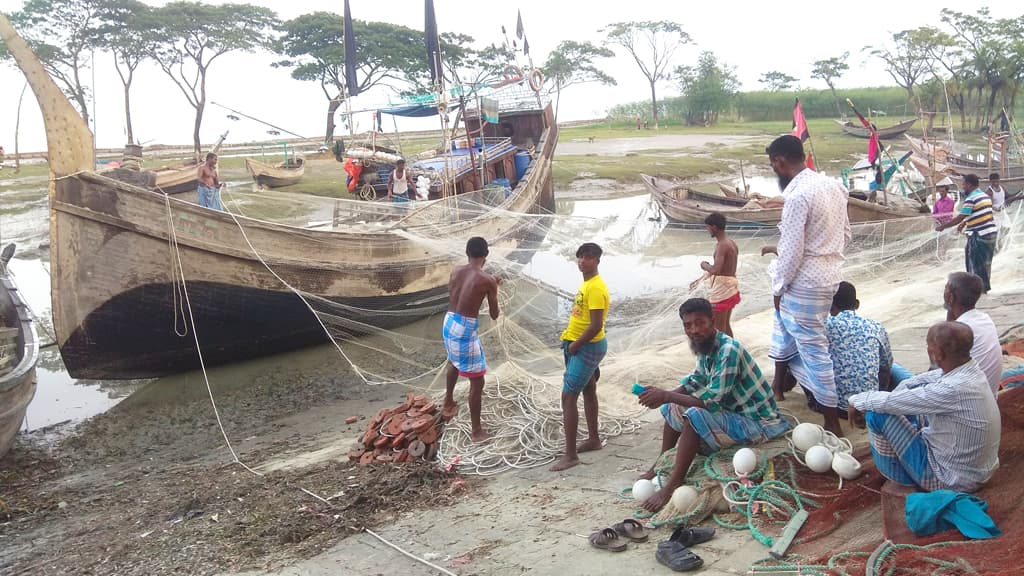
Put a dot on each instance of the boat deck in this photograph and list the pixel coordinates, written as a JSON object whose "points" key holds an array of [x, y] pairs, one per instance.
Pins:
{"points": [[461, 160]]}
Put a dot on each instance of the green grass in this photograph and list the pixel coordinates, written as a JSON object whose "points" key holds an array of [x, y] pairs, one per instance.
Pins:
{"points": [[568, 168], [28, 171]]}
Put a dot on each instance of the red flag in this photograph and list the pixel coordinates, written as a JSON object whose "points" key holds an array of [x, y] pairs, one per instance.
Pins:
{"points": [[800, 123], [810, 162], [874, 147]]}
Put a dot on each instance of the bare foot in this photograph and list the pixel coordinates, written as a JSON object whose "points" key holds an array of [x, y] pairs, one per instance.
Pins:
{"points": [[649, 475], [779, 397], [589, 445], [449, 411], [564, 463], [480, 436], [657, 500]]}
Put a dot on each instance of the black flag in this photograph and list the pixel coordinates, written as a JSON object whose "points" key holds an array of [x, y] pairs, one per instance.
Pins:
{"points": [[433, 45], [519, 25], [351, 82]]}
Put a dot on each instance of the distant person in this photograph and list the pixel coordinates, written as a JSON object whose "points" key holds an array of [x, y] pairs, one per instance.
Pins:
{"points": [[977, 217], [583, 347], [813, 234], [3, 155], [859, 347], [1001, 200], [468, 286], [725, 287], [637, 122], [942, 210], [725, 402], [940, 433], [400, 185], [209, 183]]}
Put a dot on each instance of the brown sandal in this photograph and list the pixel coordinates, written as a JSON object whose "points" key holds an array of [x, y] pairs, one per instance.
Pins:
{"points": [[630, 528], [607, 539]]}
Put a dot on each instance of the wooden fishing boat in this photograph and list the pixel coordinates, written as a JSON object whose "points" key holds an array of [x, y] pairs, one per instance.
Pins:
{"points": [[122, 305], [936, 162], [276, 176], [656, 183], [888, 133], [19, 352]]}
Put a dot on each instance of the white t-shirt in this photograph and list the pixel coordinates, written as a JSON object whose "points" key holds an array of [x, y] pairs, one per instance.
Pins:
{"points": [[400, 186], [986, 350], [998, 205]]}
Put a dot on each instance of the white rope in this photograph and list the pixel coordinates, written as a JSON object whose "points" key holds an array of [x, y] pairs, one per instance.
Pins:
{"points": [[408, 554]]}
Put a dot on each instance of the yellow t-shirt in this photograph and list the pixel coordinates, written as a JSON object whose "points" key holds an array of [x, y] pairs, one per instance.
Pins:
{"points": [[592, 295]]}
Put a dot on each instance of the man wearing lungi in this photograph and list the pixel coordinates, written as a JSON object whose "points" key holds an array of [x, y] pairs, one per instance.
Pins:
{"points": [[726, 401], [725, 287], [977, 216], [936, 433], [813, 234], [467, 288], [583, 348]]}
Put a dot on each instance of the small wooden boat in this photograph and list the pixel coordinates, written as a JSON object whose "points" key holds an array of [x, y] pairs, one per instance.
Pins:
{"points": [[19, 352], [276, 176], [656, 183], [888, 133]]}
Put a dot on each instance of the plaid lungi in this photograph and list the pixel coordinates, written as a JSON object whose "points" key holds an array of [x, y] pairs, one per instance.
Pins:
{"points": [[462, 343], [900, 452], [721, 429]]}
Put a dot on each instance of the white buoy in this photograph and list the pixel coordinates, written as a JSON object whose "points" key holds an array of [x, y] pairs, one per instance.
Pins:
{"points": [[806, 435], [744, 461], [846, 466], [657, 482], [684, 498], [643, 489], [819, 458]]}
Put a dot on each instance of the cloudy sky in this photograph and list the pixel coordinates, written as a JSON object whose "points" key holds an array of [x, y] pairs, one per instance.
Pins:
{"points": [[754, 37]]}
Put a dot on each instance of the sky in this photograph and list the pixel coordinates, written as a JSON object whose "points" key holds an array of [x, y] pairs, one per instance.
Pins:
{"points": [[754, 37]]}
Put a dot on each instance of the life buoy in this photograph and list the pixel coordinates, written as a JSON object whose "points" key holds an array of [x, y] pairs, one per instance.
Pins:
{"points": [[536, 79]]}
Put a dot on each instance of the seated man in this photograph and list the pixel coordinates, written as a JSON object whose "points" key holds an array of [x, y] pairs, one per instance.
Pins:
{"points": [[726, 401], [961, 294], [861, 356], [941, 433]]}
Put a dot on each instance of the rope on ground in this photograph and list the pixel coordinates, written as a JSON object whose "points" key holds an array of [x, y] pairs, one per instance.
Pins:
{"points": [[410, 555]]}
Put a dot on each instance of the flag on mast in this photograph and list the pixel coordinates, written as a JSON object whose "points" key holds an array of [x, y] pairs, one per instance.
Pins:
{"points": [[351, 81], [521, 33], [432, 42], [800, 129]]}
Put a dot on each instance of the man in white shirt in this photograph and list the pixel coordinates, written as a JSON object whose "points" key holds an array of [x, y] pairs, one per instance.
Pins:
{"points": [[940, 433], [1000, 202], [813, 235]]}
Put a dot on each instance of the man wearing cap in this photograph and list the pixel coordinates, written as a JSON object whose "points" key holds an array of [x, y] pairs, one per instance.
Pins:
{"points": [[859, 347]]}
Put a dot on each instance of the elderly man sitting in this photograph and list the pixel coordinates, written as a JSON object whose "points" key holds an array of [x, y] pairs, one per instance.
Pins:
{"points": [[724, 402], [936, 433]]}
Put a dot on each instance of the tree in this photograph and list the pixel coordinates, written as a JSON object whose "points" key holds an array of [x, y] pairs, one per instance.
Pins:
{"points": [[126, 29], [572, 63], [945, 58], [652, 45], [388, 54], [907, 61], [62, 33], [708, 89], [830, 70], [777, 81], [192, 35]]}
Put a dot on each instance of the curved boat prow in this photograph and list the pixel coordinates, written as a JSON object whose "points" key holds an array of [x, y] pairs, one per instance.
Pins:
{"points": [[68, 139]]}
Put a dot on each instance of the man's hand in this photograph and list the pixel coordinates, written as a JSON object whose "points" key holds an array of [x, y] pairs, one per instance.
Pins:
{"points": [[574, 347], [498, 280], [939, 227], [855, 417], [653, 398], [705, 266], [778, 299]]}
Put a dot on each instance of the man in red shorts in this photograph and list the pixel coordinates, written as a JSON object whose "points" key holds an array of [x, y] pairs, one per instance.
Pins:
{"points": [[725, 288]]}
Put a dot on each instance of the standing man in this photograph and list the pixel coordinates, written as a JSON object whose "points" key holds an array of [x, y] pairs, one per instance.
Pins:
{"points": [[725, 287], [400, 185], [583, 348], [467, 288], [942, 210], [813, 234], [209, 183], [977, 216], [1000, 202]]}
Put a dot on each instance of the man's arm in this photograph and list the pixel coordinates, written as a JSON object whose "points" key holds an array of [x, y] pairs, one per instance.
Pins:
{"points": [[716, 268], [391, 184], [791, 243], [492, 297], [596, 323], [655, 397], [923, 400], [949, 224]]}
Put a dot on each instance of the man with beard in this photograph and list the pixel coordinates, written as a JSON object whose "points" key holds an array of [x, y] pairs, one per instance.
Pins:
{"points": [[725, 401], [813, 234], [725, 287], [938, 433]]}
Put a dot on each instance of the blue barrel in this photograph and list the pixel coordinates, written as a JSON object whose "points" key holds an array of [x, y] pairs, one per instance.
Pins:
{"points": [[522, 163]]}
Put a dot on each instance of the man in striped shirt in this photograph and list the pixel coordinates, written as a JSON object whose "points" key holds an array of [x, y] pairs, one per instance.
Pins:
{"points": [[977, 216], [936, 433]]}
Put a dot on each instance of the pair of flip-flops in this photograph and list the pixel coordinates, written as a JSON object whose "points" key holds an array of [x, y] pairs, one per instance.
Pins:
{"points": [[614, 539], [675, 552]]}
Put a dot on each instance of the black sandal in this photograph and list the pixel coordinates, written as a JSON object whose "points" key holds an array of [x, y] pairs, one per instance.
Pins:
{"points": [[691, 536], [677, 557]]}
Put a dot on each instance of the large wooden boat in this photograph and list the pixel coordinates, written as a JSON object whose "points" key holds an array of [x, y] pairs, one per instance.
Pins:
{"points": [[19, 352], [937, 162], [887, 133], [121, 302], [276, 175]]}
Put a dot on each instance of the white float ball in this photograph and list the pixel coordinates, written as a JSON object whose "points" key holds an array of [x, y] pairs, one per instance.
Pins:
{"points": [[684, 498], [846, 466], [806, 435], [819, 458], [744, 461], [643, 489], [657, 482]]}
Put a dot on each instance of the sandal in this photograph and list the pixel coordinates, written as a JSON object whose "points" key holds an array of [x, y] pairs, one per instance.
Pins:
{"points": [[678, 557], [630, 528], [607, 539], [691, 536]]}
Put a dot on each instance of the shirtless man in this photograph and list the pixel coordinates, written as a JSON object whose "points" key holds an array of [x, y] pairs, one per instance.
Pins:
{"points": [[725, 288], [209, 183], [467, 288]]}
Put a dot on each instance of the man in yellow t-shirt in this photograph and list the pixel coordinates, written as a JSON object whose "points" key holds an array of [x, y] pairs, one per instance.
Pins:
{"points": [[583, 347]]}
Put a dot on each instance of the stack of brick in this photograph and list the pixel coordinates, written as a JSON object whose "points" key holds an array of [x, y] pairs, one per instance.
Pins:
{"points": [[406, 432]]}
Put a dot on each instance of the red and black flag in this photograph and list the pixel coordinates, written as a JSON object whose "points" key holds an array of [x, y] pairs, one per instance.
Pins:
{"points": [[351, 81], [800, 129], [874, 145]]}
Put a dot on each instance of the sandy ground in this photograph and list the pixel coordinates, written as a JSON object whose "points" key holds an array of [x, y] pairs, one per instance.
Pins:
{"points": [[621, 146]]}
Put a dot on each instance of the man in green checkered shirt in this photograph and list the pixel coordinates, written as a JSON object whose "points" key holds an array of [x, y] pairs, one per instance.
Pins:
{"points": [[725, 401]]}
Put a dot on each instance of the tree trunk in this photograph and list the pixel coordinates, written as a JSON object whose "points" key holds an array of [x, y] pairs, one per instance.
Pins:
{"points": [[654, 106], [128, 112], [991, 105], [558, 99], [200, 108], [835, 100], [332, 108]]}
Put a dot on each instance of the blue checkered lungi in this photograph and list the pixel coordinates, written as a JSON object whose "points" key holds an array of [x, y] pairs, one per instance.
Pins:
{"points": [[900, 452], [462, 343], [722, 428]]}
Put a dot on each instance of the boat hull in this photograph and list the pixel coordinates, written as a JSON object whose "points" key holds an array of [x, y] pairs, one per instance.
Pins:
{"points": [[887, 133], [274, 176], [18, 373]]}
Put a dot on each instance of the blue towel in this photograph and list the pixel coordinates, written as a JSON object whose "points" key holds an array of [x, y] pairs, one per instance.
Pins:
{"points": [[933, 512]]}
